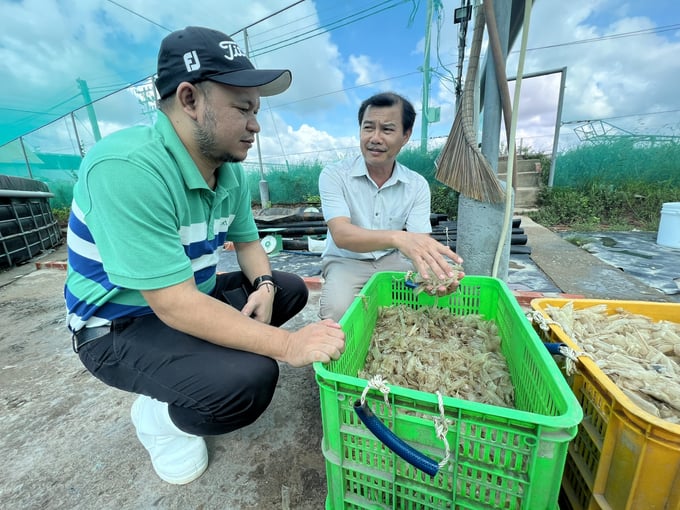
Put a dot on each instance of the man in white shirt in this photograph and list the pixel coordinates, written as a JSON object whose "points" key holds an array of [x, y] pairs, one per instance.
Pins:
{"points": [[378, 211]]}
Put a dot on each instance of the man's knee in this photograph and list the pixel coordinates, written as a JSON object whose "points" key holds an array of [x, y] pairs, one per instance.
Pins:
{"points": [[232, 402], [332, 304], [256, 388]]}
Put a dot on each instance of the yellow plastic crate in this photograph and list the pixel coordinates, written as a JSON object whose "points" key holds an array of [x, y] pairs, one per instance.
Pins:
{"points": [[501, 458], [622, 456]]}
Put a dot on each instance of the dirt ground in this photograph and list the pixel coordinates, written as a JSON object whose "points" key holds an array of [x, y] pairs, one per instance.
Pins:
{"points": [[67, 441]]}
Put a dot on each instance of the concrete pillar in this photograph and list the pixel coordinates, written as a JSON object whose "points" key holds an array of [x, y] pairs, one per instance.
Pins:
{"points": [[480, 224], [479, 229]]}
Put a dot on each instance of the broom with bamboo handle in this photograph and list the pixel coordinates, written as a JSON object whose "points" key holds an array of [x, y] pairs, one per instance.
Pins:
{"points": [[461, 165], [501, 77]]}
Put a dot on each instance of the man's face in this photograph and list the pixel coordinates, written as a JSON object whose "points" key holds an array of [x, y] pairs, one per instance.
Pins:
{"points": [[226, 126], [382, 135]]}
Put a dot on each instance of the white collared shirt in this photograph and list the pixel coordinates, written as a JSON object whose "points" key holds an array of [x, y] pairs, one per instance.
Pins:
{"points": [[402, 203]]}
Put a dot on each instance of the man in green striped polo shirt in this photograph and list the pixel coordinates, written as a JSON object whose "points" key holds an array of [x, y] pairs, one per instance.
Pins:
{"points": [[151, 210]]}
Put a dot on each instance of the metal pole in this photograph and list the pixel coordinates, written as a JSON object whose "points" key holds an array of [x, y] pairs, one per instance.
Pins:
{"points": [[28, 164], [426, 80], [265, 202], [81, 149], [558, 126], [558, 118], [90, 109]]}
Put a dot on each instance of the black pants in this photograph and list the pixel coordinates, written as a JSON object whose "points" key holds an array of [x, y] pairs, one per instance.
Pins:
{"points": [[210, 389]]}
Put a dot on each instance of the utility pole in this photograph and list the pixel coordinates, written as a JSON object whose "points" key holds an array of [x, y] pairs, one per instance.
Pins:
{"points": [[426, 79], [461, 16], [90, 109]]}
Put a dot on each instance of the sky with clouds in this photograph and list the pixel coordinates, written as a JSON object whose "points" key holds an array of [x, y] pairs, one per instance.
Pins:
{"points": [[620, 58]]}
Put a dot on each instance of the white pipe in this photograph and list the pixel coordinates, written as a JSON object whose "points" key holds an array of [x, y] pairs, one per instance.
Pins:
{"points": [[511, 141], [13, 193]]}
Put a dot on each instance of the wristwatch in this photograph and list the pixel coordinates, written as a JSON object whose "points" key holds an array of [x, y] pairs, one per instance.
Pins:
{"points": [[262, 279], [265, 279]]}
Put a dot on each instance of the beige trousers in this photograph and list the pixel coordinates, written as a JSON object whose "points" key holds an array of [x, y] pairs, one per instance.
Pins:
{"points": [[344, 278]]}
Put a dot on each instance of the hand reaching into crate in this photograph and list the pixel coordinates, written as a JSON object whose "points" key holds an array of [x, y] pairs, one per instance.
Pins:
{"points": [[435, 285]]}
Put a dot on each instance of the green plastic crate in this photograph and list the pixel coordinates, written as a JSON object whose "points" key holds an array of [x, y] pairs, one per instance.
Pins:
{"points": [[500, 458]]}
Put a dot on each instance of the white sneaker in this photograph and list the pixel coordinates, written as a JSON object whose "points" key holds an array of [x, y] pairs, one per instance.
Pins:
{"points": [[177, 457]]}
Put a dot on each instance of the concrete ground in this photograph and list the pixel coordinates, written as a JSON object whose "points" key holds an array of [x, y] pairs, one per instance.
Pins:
{"points": [[67, 442]]}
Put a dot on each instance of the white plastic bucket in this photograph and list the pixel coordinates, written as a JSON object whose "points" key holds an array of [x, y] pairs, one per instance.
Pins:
{"points": [[669, 226]]}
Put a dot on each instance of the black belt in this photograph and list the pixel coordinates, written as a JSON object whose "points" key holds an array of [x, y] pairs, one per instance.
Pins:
{"points": [[87, 335]]}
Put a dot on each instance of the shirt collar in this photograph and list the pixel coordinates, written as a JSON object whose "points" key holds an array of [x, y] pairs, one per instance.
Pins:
{"points": [[398, 174]]}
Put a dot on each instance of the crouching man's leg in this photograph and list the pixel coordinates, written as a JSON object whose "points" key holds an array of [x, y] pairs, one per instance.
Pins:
{"points": [[188, 388]]}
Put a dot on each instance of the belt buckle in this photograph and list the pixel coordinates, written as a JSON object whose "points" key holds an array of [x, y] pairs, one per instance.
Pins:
{"points": [[77, 345], [74, 342]]}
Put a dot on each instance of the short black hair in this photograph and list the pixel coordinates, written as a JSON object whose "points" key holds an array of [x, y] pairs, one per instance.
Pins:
{"points": [[408, 113]]}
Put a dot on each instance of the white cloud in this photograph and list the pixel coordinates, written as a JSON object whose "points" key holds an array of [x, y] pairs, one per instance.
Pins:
{"points": [[367, 71], [306, 143], [623, 78], [48, 44]]}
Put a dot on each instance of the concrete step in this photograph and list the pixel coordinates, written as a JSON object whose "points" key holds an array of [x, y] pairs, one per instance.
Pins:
{"points": [[527, 172], [523, 165], [528, 181], [524, 179], [526, 198]]}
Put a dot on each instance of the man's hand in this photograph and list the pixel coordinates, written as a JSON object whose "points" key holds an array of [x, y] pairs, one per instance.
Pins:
{"points": [[260, 304], [429, 258], [443, 287], [320, 341]]}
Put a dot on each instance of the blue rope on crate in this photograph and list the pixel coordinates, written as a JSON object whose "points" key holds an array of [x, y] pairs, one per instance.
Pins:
{"points": [[394, 443]]}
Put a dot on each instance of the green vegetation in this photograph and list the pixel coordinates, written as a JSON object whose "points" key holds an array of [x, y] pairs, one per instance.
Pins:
{"points": [[61, 215], [444, 200], [607, 186], [298, 183], [617, 185], [619, 161], [595, 206], [63, 194], [288, 184]]}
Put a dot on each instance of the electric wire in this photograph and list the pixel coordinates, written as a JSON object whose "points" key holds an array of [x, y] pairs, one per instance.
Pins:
{"points": [[323, 29], [304, 30], [135, 13], [439, 24], [635, 33], [394, 2], [358, 16]]}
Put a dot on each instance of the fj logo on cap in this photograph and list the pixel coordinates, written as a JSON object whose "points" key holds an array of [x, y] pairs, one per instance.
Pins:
{"points": [[191, 61], [232, 50]]}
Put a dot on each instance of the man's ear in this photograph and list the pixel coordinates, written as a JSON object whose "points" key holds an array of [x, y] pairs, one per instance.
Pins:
{"points": [[407, 136], [187, 97]]}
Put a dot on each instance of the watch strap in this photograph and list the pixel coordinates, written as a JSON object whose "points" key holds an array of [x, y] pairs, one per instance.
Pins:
{"points": [[262, 279]]}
